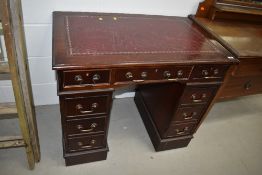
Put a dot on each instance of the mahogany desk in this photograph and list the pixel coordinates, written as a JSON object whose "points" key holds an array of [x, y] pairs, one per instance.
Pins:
{"points": [[176, 67]]}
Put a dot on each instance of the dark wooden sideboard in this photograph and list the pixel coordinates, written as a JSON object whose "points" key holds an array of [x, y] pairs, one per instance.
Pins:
{"points": [[176, 67], [237, 25]]}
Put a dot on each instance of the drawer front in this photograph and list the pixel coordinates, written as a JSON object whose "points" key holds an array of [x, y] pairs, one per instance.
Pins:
{"points": [[86, 105], [198, 95], [85, 126], [85, 143], [209, 72], [248, 68], [183, 129], [85, 78], [241, 86], [185, 114], [142, 74]]}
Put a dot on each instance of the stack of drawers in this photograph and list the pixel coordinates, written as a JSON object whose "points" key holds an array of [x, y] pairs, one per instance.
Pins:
{"points": [[193, 104], [85, 119]]}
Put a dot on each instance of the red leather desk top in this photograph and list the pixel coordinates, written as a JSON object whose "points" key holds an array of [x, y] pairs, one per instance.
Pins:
{"points": [[82, 40]]}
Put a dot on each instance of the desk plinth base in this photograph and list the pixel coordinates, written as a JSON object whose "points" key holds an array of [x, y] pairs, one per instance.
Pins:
{"points": [[159, 143], [85, 156]]}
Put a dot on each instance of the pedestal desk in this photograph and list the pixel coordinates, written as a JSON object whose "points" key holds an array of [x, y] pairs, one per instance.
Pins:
{"points": [[176, 67]]}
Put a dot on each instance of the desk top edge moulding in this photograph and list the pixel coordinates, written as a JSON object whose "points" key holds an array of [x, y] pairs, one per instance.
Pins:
{"points": [[176, 68]]}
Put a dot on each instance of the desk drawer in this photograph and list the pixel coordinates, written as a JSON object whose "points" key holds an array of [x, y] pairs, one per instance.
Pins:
{"points": [[198, 94], [177, 130], [249, 68], [241, 86], [185, 114], [209, 72], [159, 73], [85, 143], [86, 104], [85, 126], [85, 78]]}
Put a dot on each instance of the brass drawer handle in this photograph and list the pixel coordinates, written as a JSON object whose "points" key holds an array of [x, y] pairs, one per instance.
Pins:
{"points": [[180, 132], [144, 74], [96, 77], [205, 72], [92, 127], [189, 116], [200, 99], [167, 74], [81, 145], [129, 75], [180, 73], [80, 107], [216, 71], [79, 78], [248, 85]]}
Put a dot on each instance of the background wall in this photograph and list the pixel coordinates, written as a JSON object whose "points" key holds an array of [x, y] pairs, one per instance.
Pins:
{"points": [[38, 29]]}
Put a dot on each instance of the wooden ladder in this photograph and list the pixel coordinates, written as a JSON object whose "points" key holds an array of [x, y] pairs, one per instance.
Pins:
{"points": [[17, 70]]}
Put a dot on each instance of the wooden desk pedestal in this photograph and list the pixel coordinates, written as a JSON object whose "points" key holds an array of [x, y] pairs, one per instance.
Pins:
{"points": [[171, 117], [176, 68]]}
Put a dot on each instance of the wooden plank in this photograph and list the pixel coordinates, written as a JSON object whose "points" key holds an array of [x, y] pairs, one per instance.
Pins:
{"points": [[17, 57], [1, 28], [1, 48], [8, 110], [4, 71], [8, 138], [17, 15], [11, 142]]}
